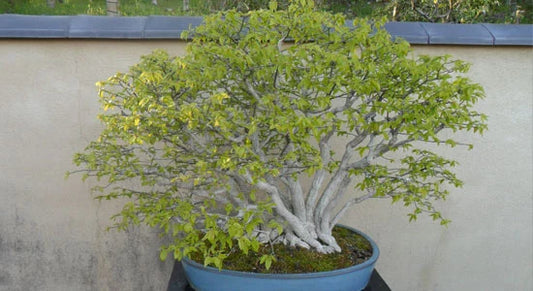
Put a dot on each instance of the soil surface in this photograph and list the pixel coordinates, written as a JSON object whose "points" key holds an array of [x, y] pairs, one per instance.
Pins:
{"points": [[355, 250]]}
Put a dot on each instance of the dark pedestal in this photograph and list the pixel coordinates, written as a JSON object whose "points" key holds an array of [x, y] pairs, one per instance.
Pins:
{"points": [[376, 283], [179, 283]]}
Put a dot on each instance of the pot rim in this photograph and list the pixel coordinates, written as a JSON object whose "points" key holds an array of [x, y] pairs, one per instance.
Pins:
{"points": [[371, 261]]}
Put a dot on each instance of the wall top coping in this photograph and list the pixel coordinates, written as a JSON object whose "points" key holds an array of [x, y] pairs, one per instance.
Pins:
{"points": [[13, 26]]}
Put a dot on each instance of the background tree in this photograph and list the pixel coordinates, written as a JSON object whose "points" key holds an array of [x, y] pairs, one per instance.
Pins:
{"points": [[456, 11], [112, 7], [49, 3], [217, 146]]}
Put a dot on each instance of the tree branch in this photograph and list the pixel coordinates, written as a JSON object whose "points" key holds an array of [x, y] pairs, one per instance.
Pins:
{"points": [[349, 204], [336, 181]]}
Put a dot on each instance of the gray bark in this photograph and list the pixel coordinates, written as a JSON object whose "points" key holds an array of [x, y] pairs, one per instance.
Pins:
{"points": [[112, 7]]}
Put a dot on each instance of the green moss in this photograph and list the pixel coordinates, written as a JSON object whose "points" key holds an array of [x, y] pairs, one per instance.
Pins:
{"points": [[355, 250]]}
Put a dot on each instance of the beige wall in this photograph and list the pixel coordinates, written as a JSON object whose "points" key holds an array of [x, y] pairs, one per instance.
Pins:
{"points": [[488, 245], [52, 234]]}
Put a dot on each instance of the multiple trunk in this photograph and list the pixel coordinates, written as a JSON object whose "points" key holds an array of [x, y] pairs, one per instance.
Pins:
{"points": [[309, 216]]}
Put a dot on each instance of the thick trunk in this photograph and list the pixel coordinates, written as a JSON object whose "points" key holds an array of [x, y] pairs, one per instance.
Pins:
{"points": [[185, 5], [112, 7], [297, 231], [51, 3], [297, 198]]}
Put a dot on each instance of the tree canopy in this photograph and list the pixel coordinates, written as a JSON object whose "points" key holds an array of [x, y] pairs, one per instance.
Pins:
{"points": [[214, 147]]}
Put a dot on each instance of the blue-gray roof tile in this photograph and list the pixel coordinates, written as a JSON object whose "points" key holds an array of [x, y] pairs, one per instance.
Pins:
{"points": [[509, 34], [85, 26], [413, 32], [460, 34], [167, 27], [33, 26]]}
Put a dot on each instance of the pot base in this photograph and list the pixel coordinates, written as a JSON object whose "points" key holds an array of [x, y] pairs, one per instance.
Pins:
{"points": [[353, 278]]}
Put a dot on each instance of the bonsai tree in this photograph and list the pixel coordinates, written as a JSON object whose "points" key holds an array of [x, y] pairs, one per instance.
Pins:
{"points": [[271, 126]]}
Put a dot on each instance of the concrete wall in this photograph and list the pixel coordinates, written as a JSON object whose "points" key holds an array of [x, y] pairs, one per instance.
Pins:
{"points": [[52, 233]]}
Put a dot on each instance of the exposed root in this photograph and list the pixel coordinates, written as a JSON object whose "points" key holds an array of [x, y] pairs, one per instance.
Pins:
{"points": [[293, 240], [330, 241]]}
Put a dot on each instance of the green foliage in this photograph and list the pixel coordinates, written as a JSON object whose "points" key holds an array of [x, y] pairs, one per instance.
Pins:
{"points": [[354, 9], [464, 11], [39, 7], [458, 11], [193, 140], [130, 7]]}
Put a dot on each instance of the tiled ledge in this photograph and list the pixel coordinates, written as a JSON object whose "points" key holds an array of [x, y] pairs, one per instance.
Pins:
{"points": [[165, 27]]}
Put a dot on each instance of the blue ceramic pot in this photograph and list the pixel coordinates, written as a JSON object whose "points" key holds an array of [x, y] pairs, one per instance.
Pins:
{"points": [[353, 278]]}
